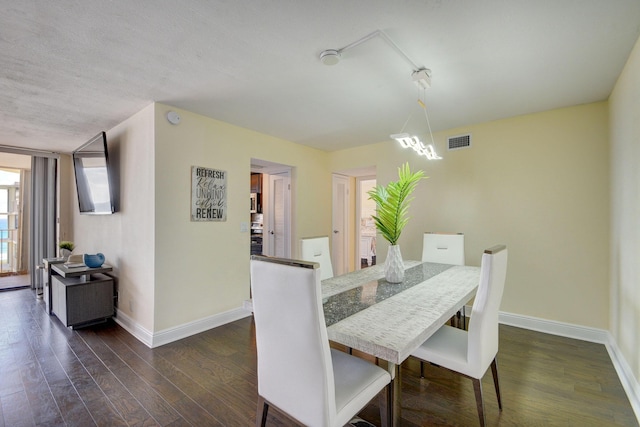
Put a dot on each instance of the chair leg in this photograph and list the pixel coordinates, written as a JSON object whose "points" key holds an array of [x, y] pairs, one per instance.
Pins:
{"points": [[477, 388], [386, 406], [262, 410], [421, 369], [494, 371], [464, 318]]}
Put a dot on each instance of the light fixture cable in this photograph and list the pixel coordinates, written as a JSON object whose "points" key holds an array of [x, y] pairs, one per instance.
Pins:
{"points": [[426, 115], [421, 76]]}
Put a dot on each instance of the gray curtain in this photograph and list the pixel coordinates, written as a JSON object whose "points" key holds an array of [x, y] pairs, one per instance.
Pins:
{"points": [[43, 216], [22, 263]]}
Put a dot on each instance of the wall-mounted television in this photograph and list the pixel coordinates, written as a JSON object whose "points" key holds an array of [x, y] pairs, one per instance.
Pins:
{"points": [[94, 177]]}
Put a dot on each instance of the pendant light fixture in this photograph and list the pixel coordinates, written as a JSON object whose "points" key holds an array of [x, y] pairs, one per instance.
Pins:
{"points": [[413, 141], [421, 76]]}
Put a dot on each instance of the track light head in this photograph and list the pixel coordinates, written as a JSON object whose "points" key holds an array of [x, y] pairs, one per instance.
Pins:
{"points": [[422, 78]]}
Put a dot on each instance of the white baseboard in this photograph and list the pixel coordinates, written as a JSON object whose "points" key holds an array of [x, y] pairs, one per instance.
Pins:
{"points": [[183, 331], [629, 382], [130, 325], [552, 327], [625, 374]]}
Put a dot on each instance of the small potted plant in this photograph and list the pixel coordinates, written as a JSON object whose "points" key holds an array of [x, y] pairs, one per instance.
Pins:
{"points": [[392, 205], [66, 248]]}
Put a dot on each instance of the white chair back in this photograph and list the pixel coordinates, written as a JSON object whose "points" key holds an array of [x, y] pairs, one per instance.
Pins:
{"points": [[443, 248], [294, 360], [316, 249], [482, 345]]}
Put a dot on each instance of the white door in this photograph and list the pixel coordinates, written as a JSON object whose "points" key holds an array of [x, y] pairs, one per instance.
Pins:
{"points": [[365, 227], [340, 223], [278, 239]]}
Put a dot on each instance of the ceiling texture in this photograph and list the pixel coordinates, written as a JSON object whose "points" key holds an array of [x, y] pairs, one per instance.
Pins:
{"points": [[70, 69]]}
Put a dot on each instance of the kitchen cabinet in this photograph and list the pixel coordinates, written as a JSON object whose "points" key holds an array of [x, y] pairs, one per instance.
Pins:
{"points": [[256, 183]]}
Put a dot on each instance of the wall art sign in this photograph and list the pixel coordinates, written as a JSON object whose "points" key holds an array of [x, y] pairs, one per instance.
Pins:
{"points": [[208, 194]]}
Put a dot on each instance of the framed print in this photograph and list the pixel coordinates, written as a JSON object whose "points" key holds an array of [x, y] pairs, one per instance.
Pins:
{"points": [[208, 194]]}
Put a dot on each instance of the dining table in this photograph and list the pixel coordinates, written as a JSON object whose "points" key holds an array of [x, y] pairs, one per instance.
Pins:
{"points": [[391, 320]]}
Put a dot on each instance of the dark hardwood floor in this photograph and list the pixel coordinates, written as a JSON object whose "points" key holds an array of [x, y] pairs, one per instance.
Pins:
{"points": [[101, 375]]}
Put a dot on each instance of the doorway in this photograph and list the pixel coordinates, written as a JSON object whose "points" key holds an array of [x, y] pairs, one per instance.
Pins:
{"points": [[275, 207], [352, 203], [14, 220], [366, 229], [340, 224]]}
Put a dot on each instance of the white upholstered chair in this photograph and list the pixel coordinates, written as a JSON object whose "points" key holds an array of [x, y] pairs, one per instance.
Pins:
{"points": [[445, 248], [470, 353], [298, 372], [316, 249]]}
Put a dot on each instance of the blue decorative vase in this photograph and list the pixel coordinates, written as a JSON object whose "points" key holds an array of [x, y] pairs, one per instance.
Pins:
{"points": [[93, 261]]}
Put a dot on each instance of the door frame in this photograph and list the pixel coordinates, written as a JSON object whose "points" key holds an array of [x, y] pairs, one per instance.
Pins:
{"points": [[340, 210], [358, 214], [267, 168], [270, 215]]}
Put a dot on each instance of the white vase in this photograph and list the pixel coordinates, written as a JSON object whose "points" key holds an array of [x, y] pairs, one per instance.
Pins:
{"points": [[64, 253], [393, 266]]}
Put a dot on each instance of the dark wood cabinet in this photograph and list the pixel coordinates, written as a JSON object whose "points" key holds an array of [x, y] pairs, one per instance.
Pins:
{"points": [[81, 296], [79, 302], [256, 183]]}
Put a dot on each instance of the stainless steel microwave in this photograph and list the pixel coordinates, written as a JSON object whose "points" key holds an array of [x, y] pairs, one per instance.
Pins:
{"points": [[254, 202]]}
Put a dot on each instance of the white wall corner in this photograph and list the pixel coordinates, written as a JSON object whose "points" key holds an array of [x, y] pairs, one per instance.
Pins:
{"points": [[152, 340], [142, 334], [630, 384], [185, 330]]}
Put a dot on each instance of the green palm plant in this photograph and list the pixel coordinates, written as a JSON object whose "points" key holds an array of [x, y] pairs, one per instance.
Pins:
{"points": [[392, 203]]}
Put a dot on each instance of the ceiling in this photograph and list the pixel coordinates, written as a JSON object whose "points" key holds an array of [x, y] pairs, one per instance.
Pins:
{"points": [[73, 68]]}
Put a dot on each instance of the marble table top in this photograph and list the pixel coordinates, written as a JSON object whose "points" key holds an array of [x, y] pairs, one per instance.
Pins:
{"points": [[389, 321]]}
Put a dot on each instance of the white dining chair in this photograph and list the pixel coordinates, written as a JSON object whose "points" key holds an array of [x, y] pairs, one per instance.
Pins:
{"points": [[316, 249], [471, 352], [298, 372], [445, 248]]}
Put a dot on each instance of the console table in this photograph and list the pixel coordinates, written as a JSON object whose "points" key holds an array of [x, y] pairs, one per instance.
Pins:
{"points": [[46, 279], [81, 296]]}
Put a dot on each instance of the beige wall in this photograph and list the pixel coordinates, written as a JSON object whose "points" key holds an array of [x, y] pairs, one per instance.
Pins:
{"points": [[127, 237], [625, 208], [172, 271], [538, 183], [16, 161], [202, 268]]}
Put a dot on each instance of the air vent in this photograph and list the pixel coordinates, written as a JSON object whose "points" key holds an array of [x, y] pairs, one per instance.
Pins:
{"points": [[459, 142]]}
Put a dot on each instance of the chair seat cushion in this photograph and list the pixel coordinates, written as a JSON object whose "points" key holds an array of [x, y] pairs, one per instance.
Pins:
{"points": [[352, 375], [446, 348]]}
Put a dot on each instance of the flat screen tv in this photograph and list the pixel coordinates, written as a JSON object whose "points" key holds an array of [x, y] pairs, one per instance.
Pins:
{"points": [[94, 177]]}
